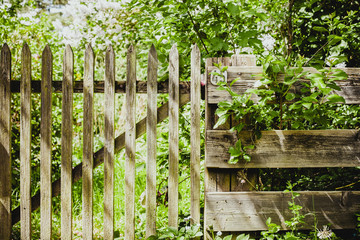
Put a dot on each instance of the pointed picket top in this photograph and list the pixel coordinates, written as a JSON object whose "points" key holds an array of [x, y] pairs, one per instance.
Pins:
{"points": [[89, 52], [5, 48], [26, 49], [47, 51], [131, 48], [195, 49], [109, 49], [5, 55], [152, 54], [68, 53]]}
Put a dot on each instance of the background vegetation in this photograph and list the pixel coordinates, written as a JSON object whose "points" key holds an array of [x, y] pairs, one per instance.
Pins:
{"points": [[288, 32]]}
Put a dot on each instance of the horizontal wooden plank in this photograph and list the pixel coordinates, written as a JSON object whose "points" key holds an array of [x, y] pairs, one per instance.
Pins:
{"points": [[248, 75], [287, 149], [120, 86], [248, 211]]}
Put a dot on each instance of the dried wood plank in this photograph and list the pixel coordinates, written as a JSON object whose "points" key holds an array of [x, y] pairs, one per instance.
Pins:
{"points": [[66, 144], [25, 143], [5, 143], [130, 150], [45, 144], [109, 146], [173, 136], [120, 86], [350, 88], [162, 114], [287, 149], [195, 134], [88, 145], [151, 143], [248, 211]]}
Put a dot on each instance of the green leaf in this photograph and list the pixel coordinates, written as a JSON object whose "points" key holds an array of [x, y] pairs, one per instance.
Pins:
{"points": [[307, 105], [229, 237], [334, 98], [290, 96], [222, 119], [243, 237], [320, 29]]}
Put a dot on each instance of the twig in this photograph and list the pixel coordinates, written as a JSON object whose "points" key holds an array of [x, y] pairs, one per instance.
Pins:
{"points": [[196, 31]]}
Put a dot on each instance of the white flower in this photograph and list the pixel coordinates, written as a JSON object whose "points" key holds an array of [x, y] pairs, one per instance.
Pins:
{"points": [[325, 233], [219, 233], [187, 218], [340, 65], [268, 41]]}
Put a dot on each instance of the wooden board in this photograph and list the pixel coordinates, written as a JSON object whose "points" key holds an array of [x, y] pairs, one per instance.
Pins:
{"points": [[25, 143], [287, 149], [130, 146], [88, 144], [66, 144], [109, 143], [248, 211], [350, 88], [151, 126], [5, 143]]}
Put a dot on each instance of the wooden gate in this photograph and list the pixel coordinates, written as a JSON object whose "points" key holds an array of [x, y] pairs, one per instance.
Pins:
{"points": [[230, 205]]}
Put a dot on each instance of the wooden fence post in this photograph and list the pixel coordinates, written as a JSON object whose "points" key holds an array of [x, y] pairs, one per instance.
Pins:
{"points": [[45, 144], [130, 137], [66, 144], [173, 137], [88, 138], [25, 143], [195, 134], [151, 125], [5, 143], [109, 143]]}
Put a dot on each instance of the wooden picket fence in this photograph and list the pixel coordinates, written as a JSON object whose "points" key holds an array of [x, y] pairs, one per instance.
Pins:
{"points": [[178, 96]]}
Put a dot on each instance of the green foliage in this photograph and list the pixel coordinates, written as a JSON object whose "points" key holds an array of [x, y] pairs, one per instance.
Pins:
{"points": [[187, 232]]}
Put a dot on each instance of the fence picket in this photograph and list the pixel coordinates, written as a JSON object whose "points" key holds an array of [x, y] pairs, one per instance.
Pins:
{"points": [[5, 143], [173, 136], [88, 161], [151, 143], [130, 136], [45, 144], [25, 143], [66, 144], [195, 134], [109, 144]]}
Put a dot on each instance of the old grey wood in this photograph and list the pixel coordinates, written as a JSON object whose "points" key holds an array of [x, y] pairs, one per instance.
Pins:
{"points": [[25, 143], [66, 143], [247, 76], [173, 136], [151, 125], [5, 143], [109, 144], [287, 149], [88, 144], [45, 144], [248, 211], [130, 150], [195, 134]]}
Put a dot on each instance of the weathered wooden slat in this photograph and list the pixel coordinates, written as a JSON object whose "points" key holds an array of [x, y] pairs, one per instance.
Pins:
{"points": [[248, 211], [25, 143], [45, 144], [350, 88], [162, 114], [109, 144], [120, 86], [151, 143], [5, 143], [88, 145], [66, 144], [130, 151], [287, 149], [195, 134], [173, 136]]}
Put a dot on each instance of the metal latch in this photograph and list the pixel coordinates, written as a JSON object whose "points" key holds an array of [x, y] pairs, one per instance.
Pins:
{"points": [[215, 79]]}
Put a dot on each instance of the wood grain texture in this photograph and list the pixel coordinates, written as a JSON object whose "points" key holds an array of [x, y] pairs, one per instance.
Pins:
{"points": [[173, 136], [151, 125], [248, 211], [350, 88], [109, 146], [195, 134], [88, 144], [162, 114], [66, 144], [5, 143], [25, 143], [287, 149], [130, 146], [120, 86], [45, 144]]}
